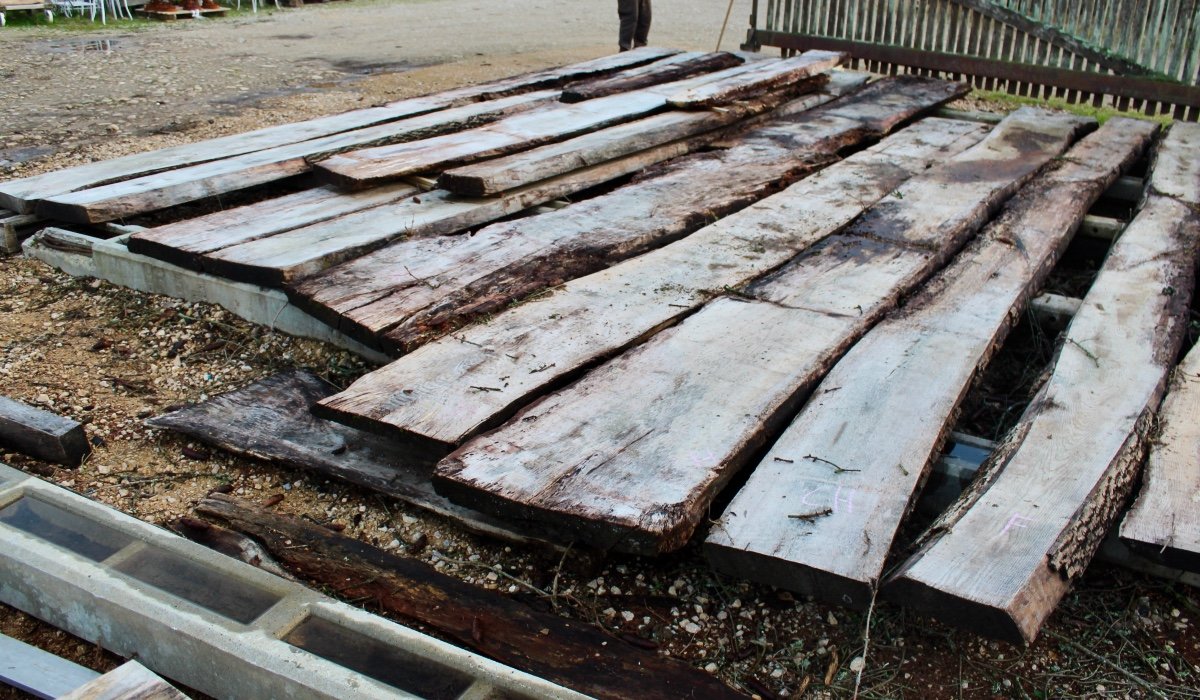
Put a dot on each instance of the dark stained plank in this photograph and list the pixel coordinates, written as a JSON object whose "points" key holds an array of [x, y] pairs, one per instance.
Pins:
{"points": [[631, 456], [752, 79], [270, 420], [41, 434], [1000, 560], [884, 409], [21, 195], [161, 190], [569, 653], [1164, 522], [668, 70], [370, 166], [452, 388], [414, 291], [183, 242]]}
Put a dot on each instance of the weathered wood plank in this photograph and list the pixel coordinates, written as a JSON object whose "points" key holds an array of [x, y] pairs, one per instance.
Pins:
{"points": [[497, 175], [452, 388], [373, 165], [1163, 523], [287, 257], [270, 420], [631, 456], [20, 195], [129, 681], [183, 242], [1000, 561], [41, 434], [670, 69], [570, 653], [414, 291], [884, 409], [161, 190], [493, 176], [753, 79], [37, 672], [275, 259]]}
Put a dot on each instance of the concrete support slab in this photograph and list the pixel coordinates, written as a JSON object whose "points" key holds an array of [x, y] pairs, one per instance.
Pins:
{"points": [[211, 622], [111, 260]]}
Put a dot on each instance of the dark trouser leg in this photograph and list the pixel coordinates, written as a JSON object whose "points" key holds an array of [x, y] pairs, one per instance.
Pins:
{"points": [[627, 12], [643, 24]]}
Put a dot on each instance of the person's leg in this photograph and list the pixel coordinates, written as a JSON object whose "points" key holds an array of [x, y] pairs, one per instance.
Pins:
{"points": [[643, 23], [627, 12]]}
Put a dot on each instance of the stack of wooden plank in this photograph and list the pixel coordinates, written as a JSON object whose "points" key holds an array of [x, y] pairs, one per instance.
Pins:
{"points": [[771, 274]]}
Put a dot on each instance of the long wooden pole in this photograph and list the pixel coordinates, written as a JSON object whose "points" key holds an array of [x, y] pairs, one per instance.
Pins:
{"points": [[724, 24]]}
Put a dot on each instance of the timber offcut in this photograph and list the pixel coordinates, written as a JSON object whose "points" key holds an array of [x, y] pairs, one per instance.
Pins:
{"points": [[665, 298]]}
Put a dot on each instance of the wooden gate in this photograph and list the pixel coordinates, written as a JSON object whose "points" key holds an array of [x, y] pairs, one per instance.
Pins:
{"points": [[1139, 55]]}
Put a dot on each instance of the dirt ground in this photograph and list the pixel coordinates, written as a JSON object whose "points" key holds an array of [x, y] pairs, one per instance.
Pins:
{"points": [[111, 357]]}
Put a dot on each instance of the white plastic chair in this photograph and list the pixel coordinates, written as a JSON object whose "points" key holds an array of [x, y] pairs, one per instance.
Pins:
{"points": [[254, 5]]}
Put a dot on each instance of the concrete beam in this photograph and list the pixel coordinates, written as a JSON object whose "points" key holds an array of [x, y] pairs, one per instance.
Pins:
{"points": [[209, 621]]}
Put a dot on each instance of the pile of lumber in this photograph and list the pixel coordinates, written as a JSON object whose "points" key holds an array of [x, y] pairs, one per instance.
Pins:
{"points": [[614, 290]]}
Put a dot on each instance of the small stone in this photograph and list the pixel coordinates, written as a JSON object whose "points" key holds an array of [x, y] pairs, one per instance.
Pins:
{"points": [[690, 627], [710, 667], [857, 664], [833, 621]]}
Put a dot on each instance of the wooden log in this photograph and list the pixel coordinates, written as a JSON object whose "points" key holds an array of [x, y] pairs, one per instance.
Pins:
{"points": [[288, 257], [508, 262], [21, 195], [41, 434], [883, 411], [451, 389], [752, 79], [270, 420], [572, 654], [161, 190], [631, 456], [670, 69], [183, 242], [1001, 559], [370, 166], [1163, 523], [129, 681]]}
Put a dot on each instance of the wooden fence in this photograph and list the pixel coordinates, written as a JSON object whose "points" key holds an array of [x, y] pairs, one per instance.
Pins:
{"points": [[1139, 55]]}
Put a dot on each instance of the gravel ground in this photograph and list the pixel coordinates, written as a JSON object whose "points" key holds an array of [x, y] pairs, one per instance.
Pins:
{"points": [[111, 357]]}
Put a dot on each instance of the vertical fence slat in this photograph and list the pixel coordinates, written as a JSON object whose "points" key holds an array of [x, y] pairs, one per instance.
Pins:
{"points": [[1161, 35]]}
